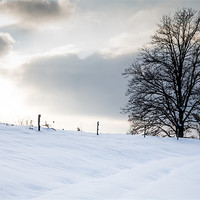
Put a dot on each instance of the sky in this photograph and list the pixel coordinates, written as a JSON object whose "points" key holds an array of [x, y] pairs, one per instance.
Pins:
{"points": [[64, 59]]}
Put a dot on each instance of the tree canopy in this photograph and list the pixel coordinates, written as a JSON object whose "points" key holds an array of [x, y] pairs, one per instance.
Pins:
{"points": [[164, 80]]}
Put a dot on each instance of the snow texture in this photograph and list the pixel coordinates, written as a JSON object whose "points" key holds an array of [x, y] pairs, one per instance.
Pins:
{"points": [[69, 165]]}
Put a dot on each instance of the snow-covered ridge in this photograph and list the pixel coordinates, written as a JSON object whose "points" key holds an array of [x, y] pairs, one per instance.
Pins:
{"points": [[68, 165]]}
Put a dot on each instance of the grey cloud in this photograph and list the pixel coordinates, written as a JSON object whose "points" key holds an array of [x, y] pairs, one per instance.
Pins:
{"points": [[6, 43], [69, 85], [34, 12]]}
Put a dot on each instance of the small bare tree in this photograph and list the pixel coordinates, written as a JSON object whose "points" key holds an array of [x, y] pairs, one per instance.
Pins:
{"points": [[164, 81], [197, 117]]}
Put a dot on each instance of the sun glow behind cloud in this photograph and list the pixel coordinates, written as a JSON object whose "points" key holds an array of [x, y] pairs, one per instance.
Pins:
{"points": [[10, 101]]}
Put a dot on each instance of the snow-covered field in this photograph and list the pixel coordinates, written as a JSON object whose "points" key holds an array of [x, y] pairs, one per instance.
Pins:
{"points": [[67, 165]]}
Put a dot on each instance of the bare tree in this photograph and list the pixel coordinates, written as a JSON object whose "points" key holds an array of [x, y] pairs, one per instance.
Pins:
{"points": [[164, 81]]}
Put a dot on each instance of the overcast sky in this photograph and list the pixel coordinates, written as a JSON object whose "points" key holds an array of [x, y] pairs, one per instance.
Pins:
{"points": [[63, 59]]}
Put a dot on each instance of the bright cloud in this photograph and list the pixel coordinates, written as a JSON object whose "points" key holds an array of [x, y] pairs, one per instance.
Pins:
{"points": [[6, 43], [125, 43], [62, 50]]}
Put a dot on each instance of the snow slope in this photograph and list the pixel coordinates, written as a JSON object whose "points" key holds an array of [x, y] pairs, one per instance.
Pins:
{"points": [[67, 165]]}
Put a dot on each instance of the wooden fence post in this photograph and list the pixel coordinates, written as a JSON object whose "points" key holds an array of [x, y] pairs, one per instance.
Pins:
{"points": [[39, 122], [98, 128]]}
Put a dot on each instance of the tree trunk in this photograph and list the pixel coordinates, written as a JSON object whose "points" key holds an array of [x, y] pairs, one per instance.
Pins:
{"points": [[181, 125], [180, 131]]}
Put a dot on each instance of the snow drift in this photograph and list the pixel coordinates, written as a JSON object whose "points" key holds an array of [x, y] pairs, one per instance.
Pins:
{"points": [[67, 165]]}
